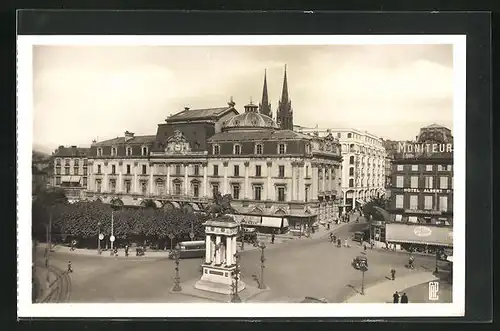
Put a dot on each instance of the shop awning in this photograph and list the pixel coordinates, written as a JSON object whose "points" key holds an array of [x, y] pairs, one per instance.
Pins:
{"points": [[360, 201], [66, 179], [75, 179], [271, 222], [419, 234]]}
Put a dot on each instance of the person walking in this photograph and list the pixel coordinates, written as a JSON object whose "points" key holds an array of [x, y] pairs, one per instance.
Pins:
{"points": [[393, 274], [332, 240], [126, 250], [70, 269], [272, 238], [395, 297], [404, 298]]}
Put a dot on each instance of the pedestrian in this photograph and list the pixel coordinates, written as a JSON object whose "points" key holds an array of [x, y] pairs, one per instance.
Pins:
{"points": [[334, 238], [328, 226], [272, 238], [339, 243], [371, 244], [364, 247], [331, 237], [404, 298], [73, 244], [393, 274], [345, 242], [70, 269], [126, 250], [395, 297]]}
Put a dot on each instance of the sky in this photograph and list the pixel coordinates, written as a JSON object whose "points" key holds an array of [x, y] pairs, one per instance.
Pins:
{"points": [[83, 93]]}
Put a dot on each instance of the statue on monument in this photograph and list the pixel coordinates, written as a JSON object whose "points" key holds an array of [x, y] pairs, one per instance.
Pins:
{"points": [[221, 205]]}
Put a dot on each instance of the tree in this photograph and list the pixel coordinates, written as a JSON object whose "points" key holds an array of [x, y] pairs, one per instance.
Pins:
{"points": [[374, 214], [43, 203]]}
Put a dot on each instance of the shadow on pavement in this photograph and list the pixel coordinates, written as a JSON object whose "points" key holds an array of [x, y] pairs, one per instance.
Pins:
{"points": [[353, 288]]}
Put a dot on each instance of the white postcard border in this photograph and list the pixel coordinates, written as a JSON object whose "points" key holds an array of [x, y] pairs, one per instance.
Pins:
{"points": [[25, 139]]}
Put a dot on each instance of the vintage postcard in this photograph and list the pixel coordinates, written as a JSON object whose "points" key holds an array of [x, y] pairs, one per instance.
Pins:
{"points": [[301, 176]]}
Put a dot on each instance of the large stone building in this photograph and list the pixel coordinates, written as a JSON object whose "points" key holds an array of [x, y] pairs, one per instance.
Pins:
{"points": [[422, 190], [363, 165], [71, 171], [268, 169]]}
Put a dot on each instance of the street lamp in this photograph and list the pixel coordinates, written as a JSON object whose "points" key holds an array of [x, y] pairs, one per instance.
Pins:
{"points": [[363, 268], [99, 237], [436, 270], [177, 253], [236, 275], [262, 247]]}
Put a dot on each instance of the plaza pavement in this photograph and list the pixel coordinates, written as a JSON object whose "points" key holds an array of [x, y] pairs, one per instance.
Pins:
{"points": [[382, 292], [293, 270]]}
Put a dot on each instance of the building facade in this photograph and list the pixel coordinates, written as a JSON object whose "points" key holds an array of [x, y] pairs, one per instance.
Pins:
{"points": [[422, 184], [363, 165], [268, 170], [71, 171]]}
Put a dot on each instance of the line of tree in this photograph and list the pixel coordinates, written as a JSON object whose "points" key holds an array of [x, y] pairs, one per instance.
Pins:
{"points": [[84, 220], [371, 212]]}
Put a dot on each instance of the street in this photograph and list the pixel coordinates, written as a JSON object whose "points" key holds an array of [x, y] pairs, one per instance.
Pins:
{"points": [[293, 270]]}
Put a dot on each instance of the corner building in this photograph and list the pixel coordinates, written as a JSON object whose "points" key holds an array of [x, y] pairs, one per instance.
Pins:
{"points": [[363, 165], [422, 190], [71, 171]]}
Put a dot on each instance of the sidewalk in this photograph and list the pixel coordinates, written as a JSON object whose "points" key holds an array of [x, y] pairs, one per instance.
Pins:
{"points": [[121, 252], [383, 291]]}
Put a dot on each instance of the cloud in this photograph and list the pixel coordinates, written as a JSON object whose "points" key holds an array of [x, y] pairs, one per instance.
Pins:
{"points": [[87, 92]]}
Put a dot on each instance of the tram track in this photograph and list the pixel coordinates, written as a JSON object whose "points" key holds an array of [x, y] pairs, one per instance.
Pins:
{"points": [[59, 290]]}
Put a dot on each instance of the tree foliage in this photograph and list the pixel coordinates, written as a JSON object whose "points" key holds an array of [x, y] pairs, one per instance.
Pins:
{"points": [[84, 219], [373, 213]]}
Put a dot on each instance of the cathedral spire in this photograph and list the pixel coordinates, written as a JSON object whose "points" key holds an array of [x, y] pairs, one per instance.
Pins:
{"points": [[265, 106], [285, 112]]}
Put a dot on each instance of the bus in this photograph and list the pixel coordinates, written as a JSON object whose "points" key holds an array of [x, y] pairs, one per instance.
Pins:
{"points": [[190, 249]]}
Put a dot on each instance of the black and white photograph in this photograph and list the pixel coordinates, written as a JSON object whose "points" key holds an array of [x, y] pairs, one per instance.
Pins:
{"points": [[216, 171]]}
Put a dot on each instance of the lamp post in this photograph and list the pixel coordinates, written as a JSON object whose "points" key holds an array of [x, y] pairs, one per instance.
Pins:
{"points": [[436, 270], [262, 247], [236, 275], [363, 269], [99, 237], [112, 221], [177, 253]]}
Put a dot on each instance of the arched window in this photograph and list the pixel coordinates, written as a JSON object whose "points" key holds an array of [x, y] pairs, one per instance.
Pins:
{"points": [[351, 160], [349, 135], [351, 148], [351, 171], [237, 149], [351, 182], [144, 150]]}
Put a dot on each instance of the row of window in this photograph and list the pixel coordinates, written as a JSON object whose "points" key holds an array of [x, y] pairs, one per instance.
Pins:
{"points": [[67, 162], [427, 167], [352, 148], [373, 182], [369, 140], [128, 151], [258, 149], [428, 182], [423, 220], [429, 203], [76, 171], [374, 163]]}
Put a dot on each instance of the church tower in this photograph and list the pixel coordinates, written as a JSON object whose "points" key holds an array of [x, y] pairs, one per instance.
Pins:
{"points": [[265, 106], [284, 115]]}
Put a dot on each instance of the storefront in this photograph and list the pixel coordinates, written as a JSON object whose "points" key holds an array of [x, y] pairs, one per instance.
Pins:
{"points": [[263, 224], [419, 237]]}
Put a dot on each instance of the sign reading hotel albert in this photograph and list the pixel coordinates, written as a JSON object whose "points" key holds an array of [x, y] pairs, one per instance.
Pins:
{"points": [[426, 190]]}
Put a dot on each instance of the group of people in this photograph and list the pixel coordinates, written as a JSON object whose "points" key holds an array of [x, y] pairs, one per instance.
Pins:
{"points": [[335, 240], [399, 299]]}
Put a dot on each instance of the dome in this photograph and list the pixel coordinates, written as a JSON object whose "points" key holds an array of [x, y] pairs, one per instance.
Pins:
{"points": [[251, 118]]}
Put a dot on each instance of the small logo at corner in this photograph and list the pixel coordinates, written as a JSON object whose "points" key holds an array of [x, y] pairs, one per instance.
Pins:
{"points": [[433, 291]]}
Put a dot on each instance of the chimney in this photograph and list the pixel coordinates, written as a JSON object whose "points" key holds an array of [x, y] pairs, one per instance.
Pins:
{"points": [[74, 146], [128, 135], [186, 108], [60, 146]]}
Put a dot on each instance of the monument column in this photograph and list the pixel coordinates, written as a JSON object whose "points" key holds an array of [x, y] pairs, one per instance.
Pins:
{"points": [[208, 246], [217, 251], [269, 186], [205, 179], [229, 251], [186, 184]]}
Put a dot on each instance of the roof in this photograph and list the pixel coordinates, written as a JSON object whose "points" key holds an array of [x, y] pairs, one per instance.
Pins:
{"points": [[262, 134], [434, 126], [72, 151], [121, 141], [195, 114], [250, 119]]}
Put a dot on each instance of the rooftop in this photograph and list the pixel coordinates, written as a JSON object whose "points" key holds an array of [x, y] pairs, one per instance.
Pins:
{"points": [[126, 141], [72, 151], [259, 135], [196, 114]]}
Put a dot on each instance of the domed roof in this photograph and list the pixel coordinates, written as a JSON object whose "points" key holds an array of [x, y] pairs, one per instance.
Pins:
{"points": [[251, 118]]}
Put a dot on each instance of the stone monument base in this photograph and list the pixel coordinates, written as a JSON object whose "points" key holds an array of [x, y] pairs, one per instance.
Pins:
{"points": [[218, 279]]}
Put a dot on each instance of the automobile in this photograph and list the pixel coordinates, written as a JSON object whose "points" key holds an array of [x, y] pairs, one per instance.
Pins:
{"points": [[358, 261], [358, 236], [314, 300]]}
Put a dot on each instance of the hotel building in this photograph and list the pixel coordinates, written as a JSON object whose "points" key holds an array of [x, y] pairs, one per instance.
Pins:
{"points": [[363, 165], [71, 171]]}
